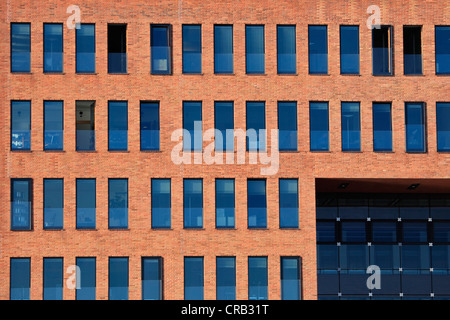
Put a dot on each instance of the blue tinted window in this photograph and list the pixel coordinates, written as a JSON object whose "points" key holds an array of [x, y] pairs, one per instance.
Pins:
{"points": [[118, 203], [286, 50], [384, 231], [351, 126], [257, 278], [288, 203], [149, 126], [256, 126], [442, 49], [412, 49], [319, 126], [325, 231], [290, 278], [20, 279], [353, 231], [327, 257], [287, 126], [254, 49], [414, 231], [440, 256], [85, 124], [53, 203], [53, 278], [223, 49], [354, 257], [161, 203], [20, 125], [382, 127], [85, 48], [20, 47], [415, 127], [224, 125], [192, 49], [226, 278], [87, 280], [256, 204], [192, 125], [382, 51], [441, 231], [443, 126], [193, 278], [415, 256], [161, 49], [86, 203], [193, 203], [118, 278], [117, 48], [53, 125], [387, 257], [349, 49], [318, 49], [225, 203], [53, 47], [117, 125], [152, 278], [21, 204]]}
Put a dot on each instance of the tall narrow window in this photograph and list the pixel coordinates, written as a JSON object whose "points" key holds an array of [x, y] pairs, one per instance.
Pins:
{"points": [[20, 47], [161, 204], [86, 203], [118, 278], [351, 126], [152, 286], [21, 204], [318, 49], [118, 203], [286, 50], [319, 126], [192, 49], [443, 126], [256, 204], [53, 47], [412, 49], [85, 124], [192, 125], [287, 126], [193, 203], [224, 125], [442, 39], [20, 274], [223, 49], [85, 48], [117, 125], [290, 278], [382, 51], [349, 49], [225, 278], [257, 278], [87, 280], [53, 278], [117, 48], [161, 49], [256, 126], [149, 126], [20, 125], [415, 127], [225, 203], [193, 278], [53, 125], [288, 203], [382, 127], [254, 49], [53, 203]]}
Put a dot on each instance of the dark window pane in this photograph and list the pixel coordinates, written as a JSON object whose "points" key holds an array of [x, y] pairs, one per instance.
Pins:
{"points": [[161, 49], [443, 125], [412, 49], [327, 257], [440, 257], [161, 203], [53, 278], [328, 283], [441, 282], [382, 50], [353, 231], [354, 257], [382, 127], [53, 125], [441, 231], [286, 50], [192, 49], [256, 126], [225, 203], [349, 49], [193, 203], [318, 49], [353, 282], [415, 127], [415, 257], [351, 126], [254, 49], [416, 282], [150, 126], [192, 126], [224, 125], [86, 203], [20, 47], [118, 278], [414, 231], [387, 257], [152, 278], [257, 278], [442, 49], [325, 231], [53, 203], [319, 126], [223, 49], [117, 48], [87, 278], [384, 231], [290, 278], [21, 204], [256, 204], [353, 207], [226, 278], [117, 125], [53, 47], [391, 280], [193, 278], [288, 203], [85, 48], [287, 126], [118, 203], [20, 125], [85, 123], [20, 279]]}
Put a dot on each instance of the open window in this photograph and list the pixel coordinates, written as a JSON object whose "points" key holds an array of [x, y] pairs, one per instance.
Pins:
{"points": [[117, 48], [412, 49], [85, 117], [382, 51]]}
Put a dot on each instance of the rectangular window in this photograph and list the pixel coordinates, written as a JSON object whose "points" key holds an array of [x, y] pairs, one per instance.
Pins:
{"points": [[53, 125], [291, 278], [382, 51], [87, 280], [286, 50], [287, 126], [149, 126], [443, 126], [20, 47], [117, 125], [86, 203], [351, 126], [225, 203], [53, 47], [288, 203], [223, 49], [20, 274], [415, 127], [193, 278], [349, 36], [319, 126], [224, 125], [254, 49], [193, 203], [192, 49], [85, 48], [118, 278], [226, 278], [53, 203], [256, 204], [382, 127], [257, 278], [20, 125], [161, 204], [318, 49], [442, 39], [256, 126], [21, 204], [152, 286], [53, 278], [161, 49], [85, 124], [117, 48], [118, 203], [412, 49], [192, 126]]}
